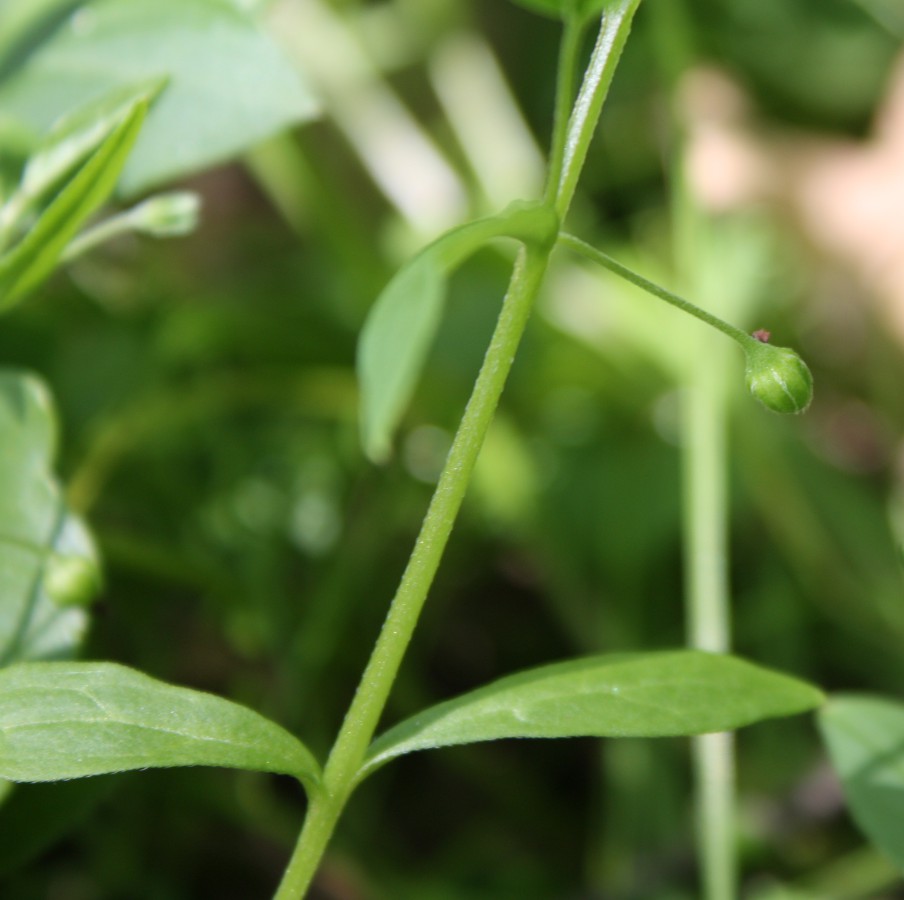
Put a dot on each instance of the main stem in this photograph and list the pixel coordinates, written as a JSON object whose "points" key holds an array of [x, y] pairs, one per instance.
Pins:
{"points": [[348, 753], [614, 30], [363, 715]]}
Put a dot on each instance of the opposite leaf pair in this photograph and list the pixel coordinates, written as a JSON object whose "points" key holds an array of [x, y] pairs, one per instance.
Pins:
{"points": [[70, 720]]}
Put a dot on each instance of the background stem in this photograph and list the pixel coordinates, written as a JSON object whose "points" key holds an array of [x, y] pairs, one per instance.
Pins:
{"points": [[569, 51], [705, 552], [704, 460], [614, 31], [705, 528]]}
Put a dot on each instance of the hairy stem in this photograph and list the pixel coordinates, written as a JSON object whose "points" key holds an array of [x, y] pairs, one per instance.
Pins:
{"points": [[373, 690], [367, 706]]}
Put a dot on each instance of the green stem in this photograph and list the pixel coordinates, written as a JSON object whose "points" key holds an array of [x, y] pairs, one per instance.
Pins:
{"points": [[705, 505], [373, 690], [714, 775], [607, 262], [569, 50], [614, 30], [99, 234], [348, 753], [704, 459]]}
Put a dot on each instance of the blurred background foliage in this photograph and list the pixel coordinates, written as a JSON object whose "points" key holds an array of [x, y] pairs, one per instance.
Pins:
{"points": [[208, 402]]}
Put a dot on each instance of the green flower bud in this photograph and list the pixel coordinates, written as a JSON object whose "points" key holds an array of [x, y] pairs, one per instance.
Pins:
{"points": [[778, 378], [167, 215], [71, 580]]}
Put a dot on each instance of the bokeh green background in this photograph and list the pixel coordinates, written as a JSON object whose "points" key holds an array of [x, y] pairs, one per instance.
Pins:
{"points": [[207, 396]]}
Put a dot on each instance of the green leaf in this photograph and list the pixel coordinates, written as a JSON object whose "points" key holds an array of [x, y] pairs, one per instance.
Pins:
{"points": [[229, 85], [403, 321], [565, 9], [669, 693], [393, 347], [79, 132], [865, 739], [69, 720], [35, 256], [48, 564]]}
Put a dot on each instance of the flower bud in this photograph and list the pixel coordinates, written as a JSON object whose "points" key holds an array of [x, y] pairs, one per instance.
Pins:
{"points": [[167, 215], [778, 378], [71, 580]]}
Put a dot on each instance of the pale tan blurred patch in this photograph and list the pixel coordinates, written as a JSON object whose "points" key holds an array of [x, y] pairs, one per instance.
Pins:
{"points": [[847, 196]]}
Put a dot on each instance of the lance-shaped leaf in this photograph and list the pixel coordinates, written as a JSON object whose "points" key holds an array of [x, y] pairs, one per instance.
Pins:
{"points": [[660, 694], [229, 85], [865, 739], [404, 319], [70, 720], [48, 564], [79, 132], [393, 347], [35, 256]]}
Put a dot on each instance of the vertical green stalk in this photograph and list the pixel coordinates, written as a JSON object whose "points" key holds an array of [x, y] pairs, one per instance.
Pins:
{"points": [[364, 713], [705, 510], [610, 42], [569, 50], [707, 592], [705, 500]]}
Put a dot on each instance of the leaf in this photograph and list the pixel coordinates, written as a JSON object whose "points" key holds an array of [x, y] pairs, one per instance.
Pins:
{"points": [[393, 347], [70, 720], [78, 133], [229, 85], [48, 564], [865, 739], [404, 319], [668, 693], [35, 256], [565, 9]]}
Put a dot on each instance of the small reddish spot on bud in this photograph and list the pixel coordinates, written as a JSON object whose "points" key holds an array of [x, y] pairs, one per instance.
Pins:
{"points": [[762, 335]]}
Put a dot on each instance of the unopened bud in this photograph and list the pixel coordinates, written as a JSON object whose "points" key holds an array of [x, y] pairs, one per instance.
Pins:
{"points": [[167, 215], [72, 575], [778, 378], [71, 580]]}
